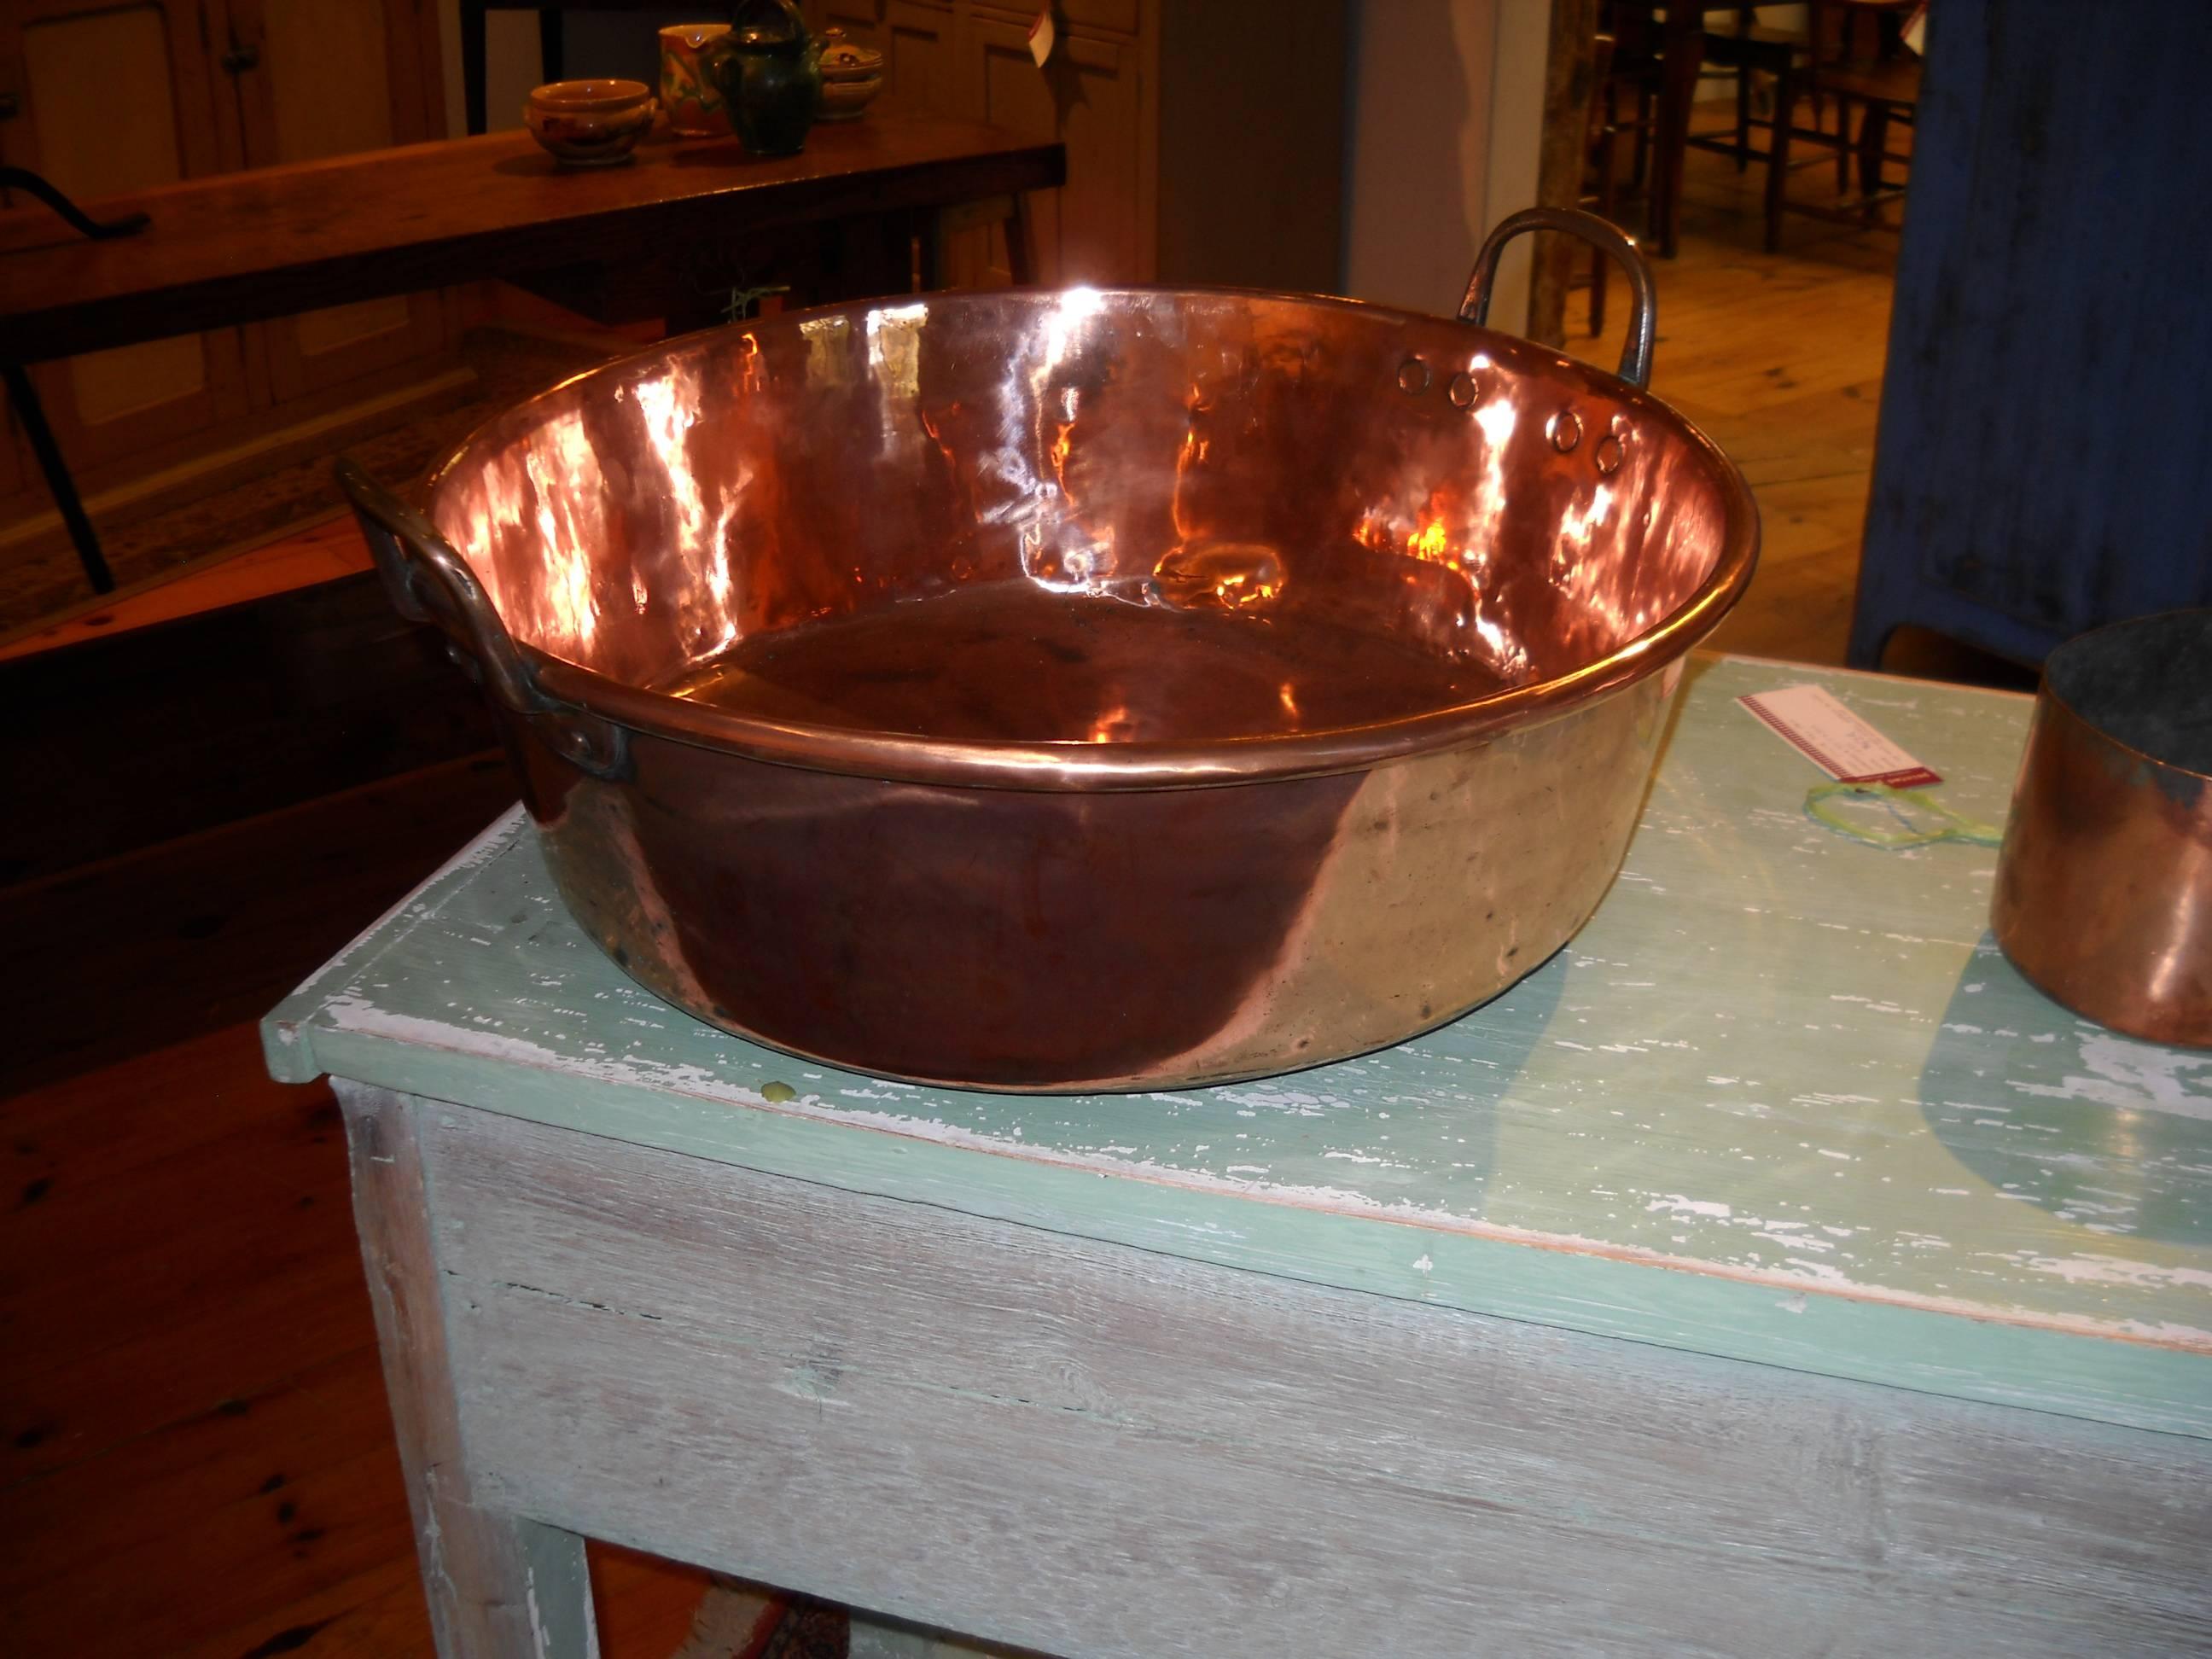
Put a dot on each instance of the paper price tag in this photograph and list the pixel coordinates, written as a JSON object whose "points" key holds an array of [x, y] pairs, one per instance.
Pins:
{"points": [[1043, 35], [1811, 720]]}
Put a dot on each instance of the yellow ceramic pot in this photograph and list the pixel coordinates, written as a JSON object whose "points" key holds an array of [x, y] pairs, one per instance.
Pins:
{"points": [[694, 102]]}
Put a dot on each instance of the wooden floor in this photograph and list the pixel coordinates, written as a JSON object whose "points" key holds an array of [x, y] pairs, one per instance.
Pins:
{"points": [[198, 1460], [1778, 359]]}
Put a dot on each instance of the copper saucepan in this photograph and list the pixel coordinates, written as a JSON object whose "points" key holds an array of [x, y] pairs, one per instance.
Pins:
{"points": [[2103, 895], [1100, 688]]}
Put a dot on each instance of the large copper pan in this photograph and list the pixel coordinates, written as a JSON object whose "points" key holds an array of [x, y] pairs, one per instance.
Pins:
{"points": [[1090, 690]]}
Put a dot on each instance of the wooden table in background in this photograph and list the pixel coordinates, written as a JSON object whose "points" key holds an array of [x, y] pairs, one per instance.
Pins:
{"points": [[1773, 1271], [242, 246]]}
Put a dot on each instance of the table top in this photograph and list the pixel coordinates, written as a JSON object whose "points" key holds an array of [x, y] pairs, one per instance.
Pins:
{"points": [[244, 245], [1781, 1100]]}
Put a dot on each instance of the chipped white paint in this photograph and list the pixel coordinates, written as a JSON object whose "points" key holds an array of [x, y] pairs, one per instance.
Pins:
{"points": [[2120, 1071], [1675, 1204], [1759, 1077]]}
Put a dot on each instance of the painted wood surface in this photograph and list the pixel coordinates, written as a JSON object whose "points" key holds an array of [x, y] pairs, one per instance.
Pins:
{"points": [[497, 1583], [1781, 1100], [2044, 406], [1093, 1451]]}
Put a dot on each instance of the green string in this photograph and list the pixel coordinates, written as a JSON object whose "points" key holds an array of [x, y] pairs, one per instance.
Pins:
{"points": [[1950, 826]]}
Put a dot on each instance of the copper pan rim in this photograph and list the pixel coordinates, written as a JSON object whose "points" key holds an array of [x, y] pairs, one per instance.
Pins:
{"points": [[2098, 728], [915, 758]]}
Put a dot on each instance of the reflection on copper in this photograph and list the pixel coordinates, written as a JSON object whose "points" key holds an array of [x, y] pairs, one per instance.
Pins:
{"points": [[826, 350], [570, 517], [895, 361], [1219, 575], [1240, 455], [1058, 454], [1114, 725], [668, 406]]}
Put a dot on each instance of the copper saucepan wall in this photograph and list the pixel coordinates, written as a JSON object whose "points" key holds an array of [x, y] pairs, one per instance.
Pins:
{"points": [[1011, 888], [2103, 895]]}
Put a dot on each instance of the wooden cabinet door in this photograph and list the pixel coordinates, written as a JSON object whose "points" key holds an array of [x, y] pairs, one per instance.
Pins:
{"points": [[921, 69], [114, 96], [316, 78], [1097, 226]]}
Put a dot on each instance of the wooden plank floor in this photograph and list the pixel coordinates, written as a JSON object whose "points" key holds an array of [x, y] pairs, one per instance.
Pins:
{"points": [[1778, 358], [197, 1456]]}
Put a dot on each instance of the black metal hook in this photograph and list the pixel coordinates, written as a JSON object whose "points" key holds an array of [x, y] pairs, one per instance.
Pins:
{"points": [[99, 229]]}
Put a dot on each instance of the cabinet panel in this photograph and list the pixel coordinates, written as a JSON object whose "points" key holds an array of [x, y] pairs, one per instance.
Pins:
{"points": [[863, 22], [920, 66], [916, 40], [115, 98], [1093, 229], [322, 78], [1120, 16]]}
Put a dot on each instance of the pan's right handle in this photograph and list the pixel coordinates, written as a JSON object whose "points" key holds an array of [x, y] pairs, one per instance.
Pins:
{"points": [[429, 582], [1644, 304]]}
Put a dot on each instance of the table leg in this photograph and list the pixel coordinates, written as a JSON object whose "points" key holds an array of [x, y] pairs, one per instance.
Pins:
{"points": [[473, 65], [1683, 53], [23, 397], [552, 44], [498, 1584]]}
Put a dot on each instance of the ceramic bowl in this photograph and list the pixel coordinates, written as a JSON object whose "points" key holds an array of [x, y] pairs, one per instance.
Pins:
{"points": [[852, 75], [843, 100], [591, 123]]}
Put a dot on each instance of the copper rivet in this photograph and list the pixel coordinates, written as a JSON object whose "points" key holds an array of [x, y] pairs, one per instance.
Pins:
{"points": [[1610, 450], [1566, 430], [1413, 376], [1464, 390]]}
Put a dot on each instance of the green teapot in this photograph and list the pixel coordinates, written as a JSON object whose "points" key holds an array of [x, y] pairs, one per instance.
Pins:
{"points": [[769, 74]]}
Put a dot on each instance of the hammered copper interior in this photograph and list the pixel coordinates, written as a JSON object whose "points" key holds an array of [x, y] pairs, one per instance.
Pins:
{"points": [[1512, 515]]}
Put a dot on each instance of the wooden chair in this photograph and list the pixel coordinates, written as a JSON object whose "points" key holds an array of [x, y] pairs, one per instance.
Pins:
{"points": [[1750, 50], [1615, 78], [1874, 71], [1858, 60]]}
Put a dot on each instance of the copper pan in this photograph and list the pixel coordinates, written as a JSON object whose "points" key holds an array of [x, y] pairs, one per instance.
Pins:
{"points": [[2104, 895], [1102, 689]]}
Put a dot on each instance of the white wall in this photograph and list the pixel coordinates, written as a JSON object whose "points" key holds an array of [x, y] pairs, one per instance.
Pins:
{"points": [[1445, 125]]}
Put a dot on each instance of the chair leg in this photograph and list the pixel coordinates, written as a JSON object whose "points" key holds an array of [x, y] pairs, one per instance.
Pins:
{"points": [[1743, 117], [1021, 268], [1600, 261], [1874, 139], [552, 44], [1639, 164], [1843, 146], [1778, 156], [472, 64]]}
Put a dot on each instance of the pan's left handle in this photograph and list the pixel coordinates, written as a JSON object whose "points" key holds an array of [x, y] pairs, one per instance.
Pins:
{"points": [[1644, 304], [429, 582]]}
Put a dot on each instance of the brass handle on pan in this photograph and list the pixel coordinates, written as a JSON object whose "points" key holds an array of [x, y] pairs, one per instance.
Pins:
{"points": [[428, 582], [1643, 305]]}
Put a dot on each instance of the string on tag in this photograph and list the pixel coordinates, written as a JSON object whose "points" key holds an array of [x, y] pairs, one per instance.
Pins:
{"points": [[1948, 826]]}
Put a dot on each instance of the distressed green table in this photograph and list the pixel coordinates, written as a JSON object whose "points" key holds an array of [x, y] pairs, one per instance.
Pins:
{"points": [[1772, 1272]]}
